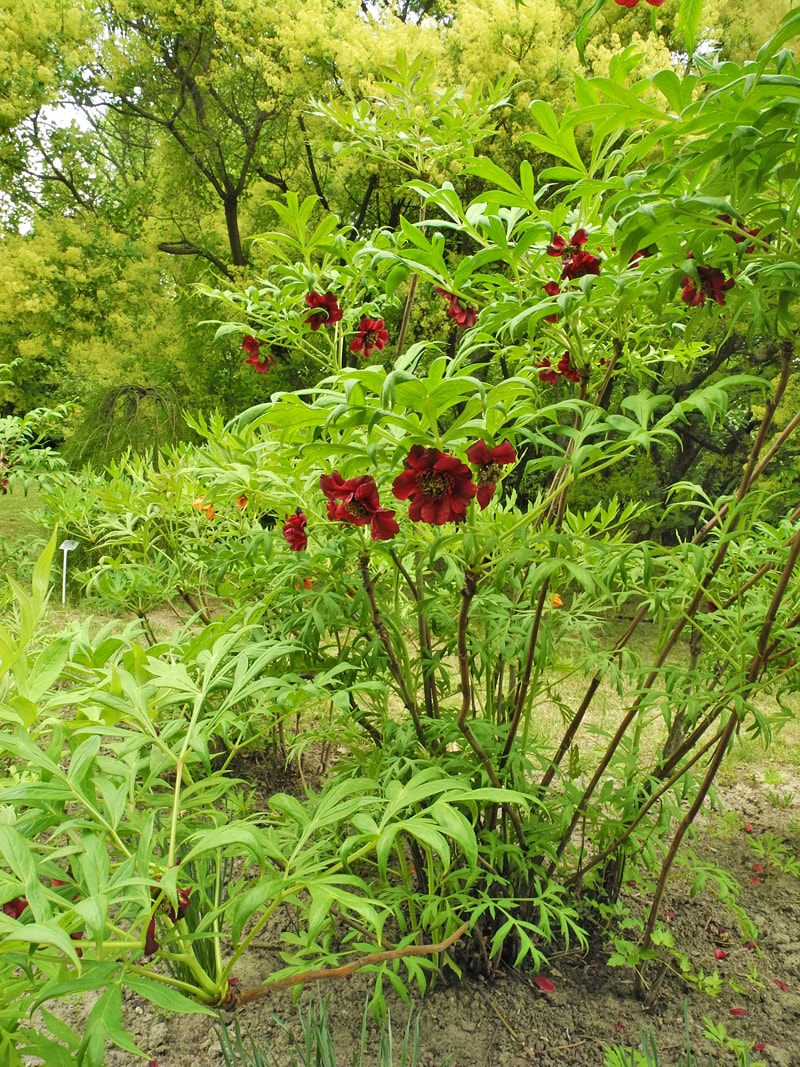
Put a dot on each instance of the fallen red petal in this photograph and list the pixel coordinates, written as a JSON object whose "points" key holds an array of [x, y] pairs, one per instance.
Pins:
{"points": [[738, 1012], [670, 915], [544, 984], [619, 1027], [750, 945], [721, 954], [781, 985], [759, 1047], [755, 881], [758, 868], [748, 829]]}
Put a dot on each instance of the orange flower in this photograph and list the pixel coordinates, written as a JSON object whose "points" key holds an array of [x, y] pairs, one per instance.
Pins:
{"points": [[242, 502], [201, 505], [557, 601]]}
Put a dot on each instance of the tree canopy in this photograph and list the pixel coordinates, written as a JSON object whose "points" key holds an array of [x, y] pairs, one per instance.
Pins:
{"points": [[145, 143]]}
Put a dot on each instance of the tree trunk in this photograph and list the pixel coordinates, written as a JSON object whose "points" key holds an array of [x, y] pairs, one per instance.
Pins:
{"points": [[232, 225]]}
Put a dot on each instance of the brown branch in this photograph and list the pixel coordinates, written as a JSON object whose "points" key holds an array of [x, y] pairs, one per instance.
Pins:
{"points": [[273, 179], [752, 472], [394, 663], [755, 469], [199, 611], [362, 211], [523, 683], [186, 248], [467, 594], [426, 648], [652, 799], [753, 672], [311, 164], [412, 291], [589, 695], [604, 392], [234, 1000]]}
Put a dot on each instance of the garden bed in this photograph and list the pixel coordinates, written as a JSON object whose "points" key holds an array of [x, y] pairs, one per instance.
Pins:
{"points": [[512, 1021]]}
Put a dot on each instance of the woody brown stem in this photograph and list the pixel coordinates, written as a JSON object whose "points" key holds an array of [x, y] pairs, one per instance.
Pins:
{"points": [[234, 1000], [412, 292], [752, 471], [394, 663], [753, 671], [523, 684], [579, 715], [467, 594]]}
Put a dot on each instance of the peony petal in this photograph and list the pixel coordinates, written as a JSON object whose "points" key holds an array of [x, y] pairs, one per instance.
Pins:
{"points": [[485, 494], [478, 454], [383, 526]]}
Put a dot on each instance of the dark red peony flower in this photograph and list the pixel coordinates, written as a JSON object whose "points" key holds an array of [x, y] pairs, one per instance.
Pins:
{"points": [[183, 905], [325, 310], [633, 3], [577, 262], [566, 369], [439, 486], [252, 346], [712, 283], [14, 908], [579, 265], [547, 373], [372, 333], [552, 289], [356, 502], [561, 248], [463, 315], [294, 531], [739, 237], [488, 462], [563, 369]]}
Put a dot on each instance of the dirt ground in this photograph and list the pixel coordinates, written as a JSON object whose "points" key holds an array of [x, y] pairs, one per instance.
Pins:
{"points": [[510, 1021]]}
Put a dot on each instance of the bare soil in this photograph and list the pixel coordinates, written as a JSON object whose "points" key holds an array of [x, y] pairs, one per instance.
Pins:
{"points": [[510, 1021]]}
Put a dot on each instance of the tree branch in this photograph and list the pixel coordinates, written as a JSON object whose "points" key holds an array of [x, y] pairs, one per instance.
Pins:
{"points": [[311, 165], [186, 248]]}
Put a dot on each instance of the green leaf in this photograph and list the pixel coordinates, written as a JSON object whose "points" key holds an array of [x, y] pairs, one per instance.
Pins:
{"points": [[688, 21], [228, 328], [36, 934], [17, 852], [485, 168], [581, 34], [83, 759], [105, 1022], [455, 824], [239, 835], [165, 997]]}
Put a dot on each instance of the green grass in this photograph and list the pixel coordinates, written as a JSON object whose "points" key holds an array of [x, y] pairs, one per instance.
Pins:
{"points": [[15, 521]]}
